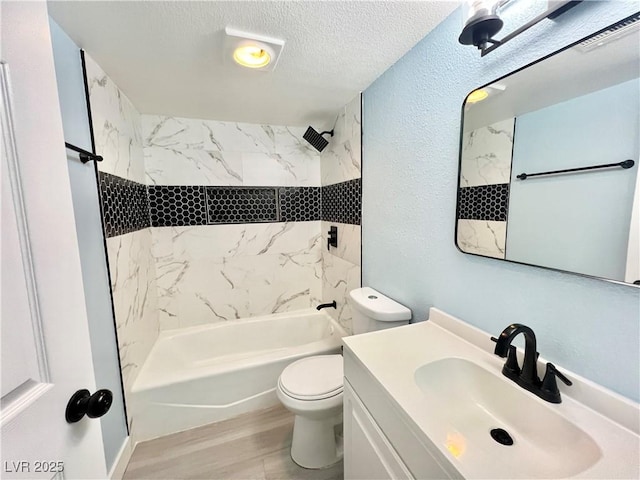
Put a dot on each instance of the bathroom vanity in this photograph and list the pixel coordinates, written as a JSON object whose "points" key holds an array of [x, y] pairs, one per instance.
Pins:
{"points": [[368, 451], [431, 409]]}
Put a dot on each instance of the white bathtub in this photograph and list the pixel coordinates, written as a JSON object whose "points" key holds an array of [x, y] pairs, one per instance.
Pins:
{"points": [[199, 375]]}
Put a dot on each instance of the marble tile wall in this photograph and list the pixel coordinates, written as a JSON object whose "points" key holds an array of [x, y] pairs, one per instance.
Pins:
{"points": [[117, 134], [189, 152], [182, 151], [341, 165], [482, 237], [486, 154], [226, 272], [133, 283], [166, 277], [483, 196], [116, 126], [342, 159], [212, 273], [341, 270]]}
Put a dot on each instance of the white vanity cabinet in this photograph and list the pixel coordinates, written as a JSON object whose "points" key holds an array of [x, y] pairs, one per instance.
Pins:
{"points": [[368, 455], [378, 442], [421, 401]]}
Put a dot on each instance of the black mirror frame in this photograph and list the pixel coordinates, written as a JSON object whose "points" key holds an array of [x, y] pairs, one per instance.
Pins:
{"points": [[464, 103]]}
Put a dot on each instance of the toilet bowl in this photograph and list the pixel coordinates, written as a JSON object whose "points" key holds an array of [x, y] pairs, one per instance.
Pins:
{"points": [[312, 387]]}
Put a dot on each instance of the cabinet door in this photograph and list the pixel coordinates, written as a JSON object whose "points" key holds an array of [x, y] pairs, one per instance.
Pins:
{"points": [[368, 455]]}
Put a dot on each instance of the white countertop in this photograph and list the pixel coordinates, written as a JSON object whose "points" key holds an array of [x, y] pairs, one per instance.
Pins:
{"points": [[391, 357]]}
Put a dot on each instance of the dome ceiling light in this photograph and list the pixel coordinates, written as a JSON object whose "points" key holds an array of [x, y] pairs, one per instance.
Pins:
{"points": [[251, 50]]}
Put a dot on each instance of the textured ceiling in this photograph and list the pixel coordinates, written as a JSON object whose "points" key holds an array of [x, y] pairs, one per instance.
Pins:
{"points": [[167, 56]]}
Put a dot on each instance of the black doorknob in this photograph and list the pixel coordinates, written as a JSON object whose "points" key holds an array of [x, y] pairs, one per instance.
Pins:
{"points": [[82, 402]]}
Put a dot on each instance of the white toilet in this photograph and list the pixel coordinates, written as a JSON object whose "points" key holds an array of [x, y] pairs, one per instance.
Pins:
{"points": [[312, 387]]}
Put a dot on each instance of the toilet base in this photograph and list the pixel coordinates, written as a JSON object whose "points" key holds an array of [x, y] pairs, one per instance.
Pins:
{"points": [[314, 443]]}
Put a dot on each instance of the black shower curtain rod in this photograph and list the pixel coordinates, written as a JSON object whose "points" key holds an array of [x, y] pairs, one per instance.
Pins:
{"points": [[624, 164], [84, 155]]}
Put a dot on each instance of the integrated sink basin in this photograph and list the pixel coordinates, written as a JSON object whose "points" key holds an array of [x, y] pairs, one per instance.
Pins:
{"points": [[471, 401], [436, 390]]}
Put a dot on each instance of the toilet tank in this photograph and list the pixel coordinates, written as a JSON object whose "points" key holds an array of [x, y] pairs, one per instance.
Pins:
{"points": [[374, 311]]}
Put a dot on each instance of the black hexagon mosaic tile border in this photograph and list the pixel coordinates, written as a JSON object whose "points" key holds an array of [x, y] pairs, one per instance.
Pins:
{"points": [[486, 202], [341, 202], [129, 206], [125, 205], [300, 204], [177, 205], [241, 205]]}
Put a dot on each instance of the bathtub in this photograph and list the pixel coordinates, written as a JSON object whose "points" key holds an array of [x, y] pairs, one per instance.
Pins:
{"points": [[198, 375]]}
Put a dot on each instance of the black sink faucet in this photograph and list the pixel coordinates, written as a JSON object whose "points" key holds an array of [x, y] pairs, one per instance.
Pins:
{"points": [[529, 372], [527, 378]]}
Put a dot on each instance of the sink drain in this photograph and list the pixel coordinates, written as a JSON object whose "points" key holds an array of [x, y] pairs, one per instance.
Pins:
{"points": [[501, 436]]}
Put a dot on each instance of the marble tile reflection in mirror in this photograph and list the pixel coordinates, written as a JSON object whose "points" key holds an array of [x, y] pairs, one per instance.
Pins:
{"points": [[579, 107]]}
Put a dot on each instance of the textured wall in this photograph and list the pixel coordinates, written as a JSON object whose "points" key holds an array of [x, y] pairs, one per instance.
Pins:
{"points": [[411, 138], [341, 164], [116, 126]]}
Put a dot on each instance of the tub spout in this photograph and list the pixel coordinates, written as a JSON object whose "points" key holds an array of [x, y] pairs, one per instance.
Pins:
{"points": [[327, 305]]}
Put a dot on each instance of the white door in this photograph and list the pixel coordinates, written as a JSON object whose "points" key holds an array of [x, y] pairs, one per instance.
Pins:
{"points": [[46, 353]]}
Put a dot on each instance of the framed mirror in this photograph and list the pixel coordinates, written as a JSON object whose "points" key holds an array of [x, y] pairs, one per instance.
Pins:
{"points": [[548, 172]]}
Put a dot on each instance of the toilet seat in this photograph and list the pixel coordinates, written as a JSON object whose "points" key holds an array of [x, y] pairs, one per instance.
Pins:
{"points": [[313, 378]]}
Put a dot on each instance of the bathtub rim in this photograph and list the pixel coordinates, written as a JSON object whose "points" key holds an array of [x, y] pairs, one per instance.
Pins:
{"points": [[146, 382], [173, 332]]}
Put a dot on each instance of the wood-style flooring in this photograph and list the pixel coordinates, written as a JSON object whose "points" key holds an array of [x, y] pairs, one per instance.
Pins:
{"points": [[253, 446]]}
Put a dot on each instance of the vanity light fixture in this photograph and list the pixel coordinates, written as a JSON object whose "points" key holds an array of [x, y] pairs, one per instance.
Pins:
{"points": [[482, 22], [251, 50]]}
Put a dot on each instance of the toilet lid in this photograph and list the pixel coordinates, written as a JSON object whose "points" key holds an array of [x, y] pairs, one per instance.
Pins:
{"points": [[313, 378]]}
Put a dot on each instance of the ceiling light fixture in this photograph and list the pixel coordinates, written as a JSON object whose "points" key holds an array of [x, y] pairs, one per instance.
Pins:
{"points": [[477, 96], [252, 51], [252, 56], [483, 93], [482, 22]]}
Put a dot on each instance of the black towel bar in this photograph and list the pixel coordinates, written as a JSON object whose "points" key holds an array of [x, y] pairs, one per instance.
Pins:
{"points": [[624, 164], [84, 155]]}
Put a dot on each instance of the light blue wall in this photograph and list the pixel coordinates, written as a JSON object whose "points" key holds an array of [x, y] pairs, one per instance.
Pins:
{"points": [[75, 122], [578, 222], [70, 88], [411, 128]]}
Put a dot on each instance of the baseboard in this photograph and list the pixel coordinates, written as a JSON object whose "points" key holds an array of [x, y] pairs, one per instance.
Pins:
{"points": [[122, 460]]}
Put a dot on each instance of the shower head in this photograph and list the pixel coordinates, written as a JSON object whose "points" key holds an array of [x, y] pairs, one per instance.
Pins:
{"points": [[316, 139]]}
